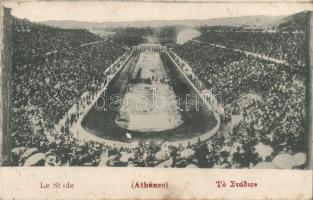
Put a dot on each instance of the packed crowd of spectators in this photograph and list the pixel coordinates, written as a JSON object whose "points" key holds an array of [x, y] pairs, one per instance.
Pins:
{"points": [[34, 40], [277, 120], [45, 86], [288, 46]]}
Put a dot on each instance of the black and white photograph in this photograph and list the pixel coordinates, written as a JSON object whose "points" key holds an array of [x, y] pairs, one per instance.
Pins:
{"points": [[214, 89]]}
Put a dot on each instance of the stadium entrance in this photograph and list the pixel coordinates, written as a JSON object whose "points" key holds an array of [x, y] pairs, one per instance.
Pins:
{"points": [[150, 47]]}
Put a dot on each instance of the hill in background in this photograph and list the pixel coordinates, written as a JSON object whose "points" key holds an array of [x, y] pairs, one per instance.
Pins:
{"points": [[295, 21]]}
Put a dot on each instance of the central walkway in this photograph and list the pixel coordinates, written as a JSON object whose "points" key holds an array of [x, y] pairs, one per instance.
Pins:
{"points": [[149, 103]]}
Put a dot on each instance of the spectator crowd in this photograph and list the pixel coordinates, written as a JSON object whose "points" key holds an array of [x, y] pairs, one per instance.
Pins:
{"points": [[50, 71], [277, 119], [282, 45]]}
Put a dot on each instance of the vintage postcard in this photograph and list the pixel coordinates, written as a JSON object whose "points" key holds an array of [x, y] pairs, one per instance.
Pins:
{"points": [[156, 100]]}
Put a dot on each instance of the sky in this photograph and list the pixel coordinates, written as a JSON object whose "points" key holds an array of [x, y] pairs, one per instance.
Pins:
{"points": [[113, 11]]}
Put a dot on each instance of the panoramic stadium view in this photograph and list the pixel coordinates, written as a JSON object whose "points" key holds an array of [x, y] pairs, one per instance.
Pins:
{"points": [[214, 93]]}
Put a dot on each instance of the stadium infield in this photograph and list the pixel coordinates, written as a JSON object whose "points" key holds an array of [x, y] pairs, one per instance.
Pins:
{"points": [[189, 120]]}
